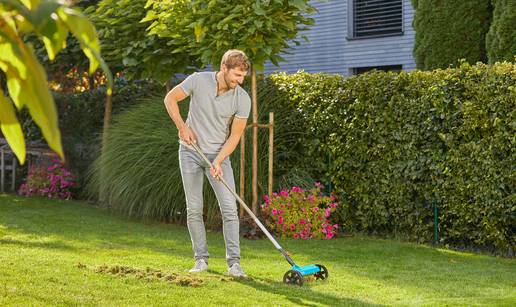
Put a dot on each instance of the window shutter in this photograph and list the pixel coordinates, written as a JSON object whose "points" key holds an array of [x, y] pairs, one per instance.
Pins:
{"points": [[377, 17]]}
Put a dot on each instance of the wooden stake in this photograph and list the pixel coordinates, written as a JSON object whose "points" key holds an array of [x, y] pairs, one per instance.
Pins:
{"points": [[254, 203], [242, 171], [271, 150]]}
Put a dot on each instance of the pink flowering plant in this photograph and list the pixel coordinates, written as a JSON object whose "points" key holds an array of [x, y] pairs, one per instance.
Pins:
{"points": [[300, 214], [54, 181]]}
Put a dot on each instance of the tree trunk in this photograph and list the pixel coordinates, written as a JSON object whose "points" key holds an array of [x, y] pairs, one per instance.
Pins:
{"points": [[168, 85], [107, 118]]}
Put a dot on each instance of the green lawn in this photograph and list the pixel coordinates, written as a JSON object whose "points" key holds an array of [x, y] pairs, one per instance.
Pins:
{"points": [[63, 253]]}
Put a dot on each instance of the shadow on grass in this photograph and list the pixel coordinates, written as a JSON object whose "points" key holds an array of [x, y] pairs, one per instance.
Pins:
{"points": [[33, 244], [80, 222], [301, 296]]}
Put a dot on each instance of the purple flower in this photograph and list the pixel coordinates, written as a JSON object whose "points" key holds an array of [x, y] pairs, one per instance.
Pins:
{"points": [[266, 199], [327, 212], [297, 190]]}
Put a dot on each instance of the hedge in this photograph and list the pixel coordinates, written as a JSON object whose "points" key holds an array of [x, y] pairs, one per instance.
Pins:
{"points": [[501, 38], [447, 31], [400, 143]]}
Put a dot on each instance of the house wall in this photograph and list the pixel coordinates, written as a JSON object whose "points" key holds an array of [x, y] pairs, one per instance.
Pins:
{"points": [[330, 51]]}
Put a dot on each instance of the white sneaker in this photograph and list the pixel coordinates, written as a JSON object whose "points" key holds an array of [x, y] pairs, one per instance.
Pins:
{"points": [[200, 266], [236, 271]]}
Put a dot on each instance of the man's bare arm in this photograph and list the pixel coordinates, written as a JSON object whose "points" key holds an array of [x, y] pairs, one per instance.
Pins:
{"points": [[171, 103]]}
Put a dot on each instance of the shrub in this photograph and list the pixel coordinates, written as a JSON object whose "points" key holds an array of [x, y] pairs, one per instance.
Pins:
{"points": [[447, 31], [81, 118], [300, 214], [501, 38], [400, 143], [54, 181]]}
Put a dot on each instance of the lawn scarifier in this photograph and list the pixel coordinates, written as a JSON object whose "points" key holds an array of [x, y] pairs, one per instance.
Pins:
{"points": [[295, 275]]}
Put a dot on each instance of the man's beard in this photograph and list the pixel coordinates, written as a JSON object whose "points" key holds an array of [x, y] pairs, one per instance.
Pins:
{"points": [[228, 82]]}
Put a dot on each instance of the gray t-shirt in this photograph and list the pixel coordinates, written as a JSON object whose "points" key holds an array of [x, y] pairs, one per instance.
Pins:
{"points": [[210, 116]]}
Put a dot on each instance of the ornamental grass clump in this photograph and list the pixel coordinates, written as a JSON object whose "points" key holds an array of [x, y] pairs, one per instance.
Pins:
{"points": [[300, 214], [54, 181]]}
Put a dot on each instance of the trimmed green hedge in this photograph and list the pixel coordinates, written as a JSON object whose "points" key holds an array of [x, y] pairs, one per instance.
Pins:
{"points": [[447, 31], [402, 142], [501, 38]]}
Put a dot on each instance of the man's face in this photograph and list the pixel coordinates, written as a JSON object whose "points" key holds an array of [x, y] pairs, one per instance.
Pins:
{"points": [[234, 76]]}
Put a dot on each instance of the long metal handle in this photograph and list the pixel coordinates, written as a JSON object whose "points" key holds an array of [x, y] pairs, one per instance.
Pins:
{"points": [[256, 220]]}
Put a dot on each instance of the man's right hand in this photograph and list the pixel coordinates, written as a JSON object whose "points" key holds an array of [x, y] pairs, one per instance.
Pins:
{"points": [[187, 135]]}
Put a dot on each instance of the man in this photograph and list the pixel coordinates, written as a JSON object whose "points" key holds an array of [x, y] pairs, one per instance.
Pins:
{"points": [[217, 117]]}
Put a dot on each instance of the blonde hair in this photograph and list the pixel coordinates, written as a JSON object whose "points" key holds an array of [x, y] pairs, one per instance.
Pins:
{"points": [[235, 58]]}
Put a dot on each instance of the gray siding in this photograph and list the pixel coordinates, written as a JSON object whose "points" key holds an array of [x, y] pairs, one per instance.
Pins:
{"points": [[330, 51]]}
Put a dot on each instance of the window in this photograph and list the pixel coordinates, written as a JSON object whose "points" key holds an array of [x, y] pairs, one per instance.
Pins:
{"points": [[361, 70], [374, 18]]}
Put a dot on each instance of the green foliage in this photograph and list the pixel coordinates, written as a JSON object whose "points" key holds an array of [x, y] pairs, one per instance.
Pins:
{"points": [[138, 173], [292, 136], [128, 46], [50, 21], [262, 29], [501, 38], [447, 31], [81, 117], [400, 142]]}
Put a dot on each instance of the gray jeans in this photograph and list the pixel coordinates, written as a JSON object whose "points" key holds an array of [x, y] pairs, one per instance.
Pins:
{"points": [[193, 169]]}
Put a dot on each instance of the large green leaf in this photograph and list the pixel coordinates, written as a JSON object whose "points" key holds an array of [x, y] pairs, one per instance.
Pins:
{"points": [[42, 14], [11, 128], [27, 84], [54, 37], [30, 3], [12, 63], [85, 33]]}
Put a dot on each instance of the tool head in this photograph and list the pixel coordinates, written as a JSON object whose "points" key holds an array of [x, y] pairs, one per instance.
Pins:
{"points": [[296, 274]]}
